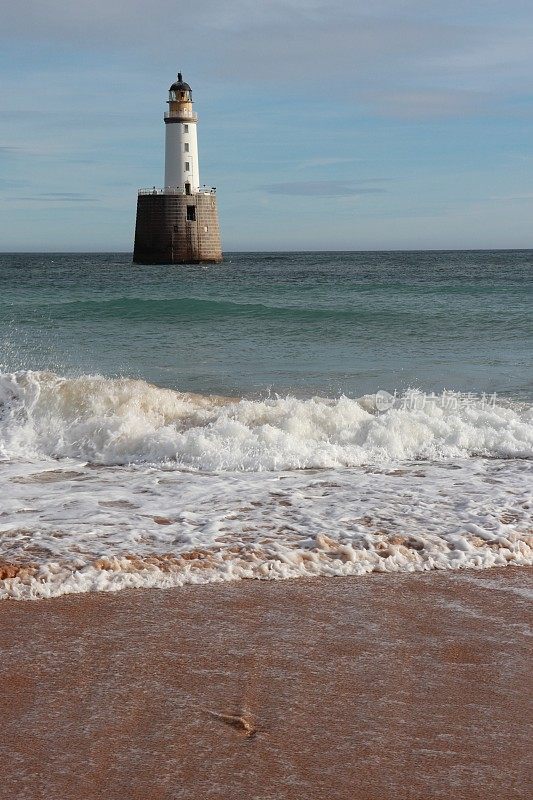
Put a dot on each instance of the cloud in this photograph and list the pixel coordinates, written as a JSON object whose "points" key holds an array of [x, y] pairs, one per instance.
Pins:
{"points": [[12, 183], [321, 188], [519, 198], [431, 103], [388, 56], [59, 197], [325, 162]]}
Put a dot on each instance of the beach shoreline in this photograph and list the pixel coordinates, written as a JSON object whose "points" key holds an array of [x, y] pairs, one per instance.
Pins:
{"points": [[373, 687]]}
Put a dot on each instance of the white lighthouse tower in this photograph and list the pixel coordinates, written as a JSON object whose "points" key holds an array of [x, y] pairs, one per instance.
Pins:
{"points": [[182, 169], [178, 224]]}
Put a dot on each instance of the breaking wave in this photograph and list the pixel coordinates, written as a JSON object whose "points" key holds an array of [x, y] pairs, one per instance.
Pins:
{"points": [[122, 421]]}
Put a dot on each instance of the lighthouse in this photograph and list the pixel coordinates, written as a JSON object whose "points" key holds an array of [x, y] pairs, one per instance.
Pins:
{"points": [[181, 142], [178, 223]]}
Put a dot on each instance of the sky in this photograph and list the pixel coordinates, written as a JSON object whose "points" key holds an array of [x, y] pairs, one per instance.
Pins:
{"points": [[344, 125]]}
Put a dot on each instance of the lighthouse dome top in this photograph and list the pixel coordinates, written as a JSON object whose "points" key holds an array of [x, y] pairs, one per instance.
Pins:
{"points": [[179, 85]]}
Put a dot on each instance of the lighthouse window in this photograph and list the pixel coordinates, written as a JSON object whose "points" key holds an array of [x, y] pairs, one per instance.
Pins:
{"points": [[191, 213], [187, 166], [186, 147], [185, 129]]}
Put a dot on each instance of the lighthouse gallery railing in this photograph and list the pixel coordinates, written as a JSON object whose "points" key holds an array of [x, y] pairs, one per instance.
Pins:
{"points": [[178, 190]]}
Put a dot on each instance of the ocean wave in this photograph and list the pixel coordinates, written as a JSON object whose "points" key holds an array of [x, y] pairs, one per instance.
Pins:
{"points": [[201, 309], [122, 421]]}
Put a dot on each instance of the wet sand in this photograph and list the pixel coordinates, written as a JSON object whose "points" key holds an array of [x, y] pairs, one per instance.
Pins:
{"points": [[368, 688]]}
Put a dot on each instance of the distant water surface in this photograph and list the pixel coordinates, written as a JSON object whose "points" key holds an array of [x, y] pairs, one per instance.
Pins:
{"points": [[304, 323]]}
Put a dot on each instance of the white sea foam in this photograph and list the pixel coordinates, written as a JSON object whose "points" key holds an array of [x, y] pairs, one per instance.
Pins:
{"points": [[107, 484], [123, 421]]}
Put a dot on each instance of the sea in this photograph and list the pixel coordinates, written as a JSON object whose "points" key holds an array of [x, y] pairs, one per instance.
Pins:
{"points": [[279, 415]]}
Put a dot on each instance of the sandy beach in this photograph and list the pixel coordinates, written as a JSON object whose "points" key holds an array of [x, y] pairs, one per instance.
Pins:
{"points": [[407, 686]]}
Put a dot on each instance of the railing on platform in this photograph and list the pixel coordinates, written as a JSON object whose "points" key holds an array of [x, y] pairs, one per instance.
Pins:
{"points": [[190, 115], [179, 190]]}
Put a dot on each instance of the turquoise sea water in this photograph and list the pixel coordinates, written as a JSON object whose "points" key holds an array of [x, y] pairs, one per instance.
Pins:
{"points": [[299, 323]]}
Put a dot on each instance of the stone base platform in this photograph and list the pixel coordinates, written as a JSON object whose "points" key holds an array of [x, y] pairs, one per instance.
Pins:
{"points": [[177, 229]]}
